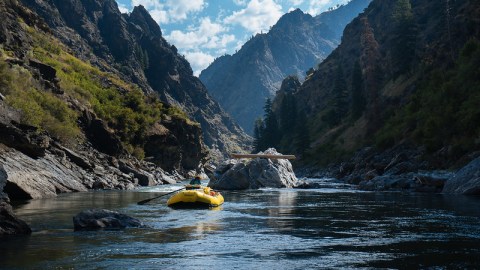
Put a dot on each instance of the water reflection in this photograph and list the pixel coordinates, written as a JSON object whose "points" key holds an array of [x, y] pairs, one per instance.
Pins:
{"points": [[329, 227]]}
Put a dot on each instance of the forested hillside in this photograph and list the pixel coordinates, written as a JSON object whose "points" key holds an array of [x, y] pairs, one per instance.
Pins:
{"points": [[405, 76]]}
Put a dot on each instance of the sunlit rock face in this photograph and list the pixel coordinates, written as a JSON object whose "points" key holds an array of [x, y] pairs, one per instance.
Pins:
{"points": [[254, 174], [466, 180]]}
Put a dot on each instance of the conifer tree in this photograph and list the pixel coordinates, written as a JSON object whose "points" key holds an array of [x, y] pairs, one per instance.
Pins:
{"points": [[288, 114], [358, 96], [302, 137], [258, 144], [404, 37], [271, 134]]}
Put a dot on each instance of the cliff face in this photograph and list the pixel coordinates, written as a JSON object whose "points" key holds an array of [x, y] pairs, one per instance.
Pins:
{"points": [[391, 82], [70, 120], [242, 82], [132, 46]]}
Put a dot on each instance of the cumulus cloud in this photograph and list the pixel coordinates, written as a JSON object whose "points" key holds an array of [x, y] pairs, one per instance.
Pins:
{"points": [[257, 16], [171, 10], [199, 61], [207, 34]]}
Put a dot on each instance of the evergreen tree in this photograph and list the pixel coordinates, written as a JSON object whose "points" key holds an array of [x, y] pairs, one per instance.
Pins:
{"points": [[302, 137], [404, 37], [358, 96], [288, 114], [340, 101], [258, 144], [271, 132]]}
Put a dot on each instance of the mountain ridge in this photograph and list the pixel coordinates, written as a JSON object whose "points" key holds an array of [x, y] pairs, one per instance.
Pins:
{"points": [[243, 81], [132, 45]]}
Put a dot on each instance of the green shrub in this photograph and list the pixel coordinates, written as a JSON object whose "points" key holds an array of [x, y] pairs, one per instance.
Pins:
{"points": [[445, 111]]}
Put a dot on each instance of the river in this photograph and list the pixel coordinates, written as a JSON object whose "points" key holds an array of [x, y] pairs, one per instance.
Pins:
{"points": [[331, 227]]}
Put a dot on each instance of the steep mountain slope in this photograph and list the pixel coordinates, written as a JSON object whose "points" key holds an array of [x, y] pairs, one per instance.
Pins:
{"points": [[243, 81], [77, 105], [132, 46], [406, 73]]}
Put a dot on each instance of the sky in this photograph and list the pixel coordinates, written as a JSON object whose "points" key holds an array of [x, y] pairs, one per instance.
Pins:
{"points": [[203, 30]]}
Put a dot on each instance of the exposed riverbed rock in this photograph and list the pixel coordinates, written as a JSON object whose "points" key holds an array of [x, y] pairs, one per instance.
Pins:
{"points": [[466, 180], [95, 219], [10, 224], [254, 174]]}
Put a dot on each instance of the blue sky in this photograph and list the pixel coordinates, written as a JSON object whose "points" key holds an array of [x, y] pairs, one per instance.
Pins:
{"points": [[203, 30]]}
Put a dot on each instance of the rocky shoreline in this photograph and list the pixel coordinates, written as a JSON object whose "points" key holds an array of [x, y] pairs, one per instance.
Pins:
{"points": [[403, 168]]}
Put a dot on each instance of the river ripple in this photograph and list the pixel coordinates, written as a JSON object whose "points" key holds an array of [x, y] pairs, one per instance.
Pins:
{"points": [[331, 227]]}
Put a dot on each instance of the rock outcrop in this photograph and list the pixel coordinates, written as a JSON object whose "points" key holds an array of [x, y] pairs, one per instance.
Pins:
{"points": [[465, 181], [254, 174], [10, 224], [95, 219], [132, 46]]}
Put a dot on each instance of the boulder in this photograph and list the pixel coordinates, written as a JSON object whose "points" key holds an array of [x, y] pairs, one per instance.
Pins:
{"points": [[10, 224], [465, 181], [144, 178], [3, 182], [388, 182], [95, 219], [256, 173]]}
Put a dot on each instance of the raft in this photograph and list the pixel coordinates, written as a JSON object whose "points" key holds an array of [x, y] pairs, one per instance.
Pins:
{"points": [[195, 196]]}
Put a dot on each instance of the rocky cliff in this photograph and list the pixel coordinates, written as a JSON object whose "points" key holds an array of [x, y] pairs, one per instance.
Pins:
{"points": [[403, 80], [70, 117], [132, 46], [297, 42]]}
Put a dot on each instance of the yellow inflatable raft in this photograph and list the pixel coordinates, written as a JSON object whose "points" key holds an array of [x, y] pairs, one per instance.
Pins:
{"points": [[195, 196]]}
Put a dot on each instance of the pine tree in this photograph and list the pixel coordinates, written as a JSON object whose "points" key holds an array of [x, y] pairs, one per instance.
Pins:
{"points": [[404, 37], [358, 96], [288, 114], [271, 132], [302, 137], [340, 101], [258, 131]]}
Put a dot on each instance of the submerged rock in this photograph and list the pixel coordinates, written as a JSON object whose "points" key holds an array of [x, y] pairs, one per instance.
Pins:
{"points": [[256, 173], [466, 180], [10, 224], [95, 219]]}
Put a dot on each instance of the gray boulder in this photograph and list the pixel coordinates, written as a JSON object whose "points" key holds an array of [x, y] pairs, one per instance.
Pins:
{"points": [[465, 181], [256, 173], [95, 219], [10, 224], [3, 182]]}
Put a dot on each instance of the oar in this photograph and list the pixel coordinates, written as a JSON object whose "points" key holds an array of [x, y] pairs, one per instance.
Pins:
{"points": [[147, 200]]}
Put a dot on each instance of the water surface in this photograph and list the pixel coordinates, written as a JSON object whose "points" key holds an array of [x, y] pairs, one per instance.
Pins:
{"points": [[331, 227]]}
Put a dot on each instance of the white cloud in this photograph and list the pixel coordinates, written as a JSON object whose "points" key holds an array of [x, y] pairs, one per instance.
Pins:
{"points": [[198, 42], [316, 7], [199, 61], [257, 16], [171, 10], [240, 2], [296, 2], [208, 34], [123, 8]]}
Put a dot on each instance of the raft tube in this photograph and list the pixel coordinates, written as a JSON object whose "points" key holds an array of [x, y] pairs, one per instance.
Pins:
{"points": [[195, 197]]}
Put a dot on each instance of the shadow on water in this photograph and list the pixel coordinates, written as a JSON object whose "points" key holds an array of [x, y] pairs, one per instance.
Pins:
{"points": [[333, 226]]}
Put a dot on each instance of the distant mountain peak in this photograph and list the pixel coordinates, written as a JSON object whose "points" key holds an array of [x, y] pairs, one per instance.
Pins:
{"points": [[297, 42]]}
